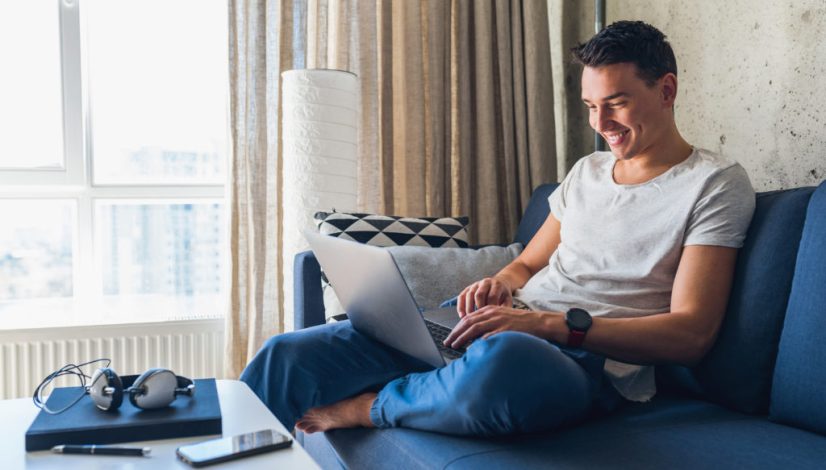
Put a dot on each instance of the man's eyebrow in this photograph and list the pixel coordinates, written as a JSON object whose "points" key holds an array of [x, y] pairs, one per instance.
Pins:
{"points": [[621, 94]]}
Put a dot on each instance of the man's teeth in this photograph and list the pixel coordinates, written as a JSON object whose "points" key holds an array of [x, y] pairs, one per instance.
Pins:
{"points": [[614, 138]]}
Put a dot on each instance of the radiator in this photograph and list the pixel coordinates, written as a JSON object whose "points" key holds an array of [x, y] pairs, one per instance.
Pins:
{"points": [[192, 348]]}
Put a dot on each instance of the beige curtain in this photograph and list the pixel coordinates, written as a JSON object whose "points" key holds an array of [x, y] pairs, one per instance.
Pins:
{"points": [[458, 115], [457, 119], [260, 48]]}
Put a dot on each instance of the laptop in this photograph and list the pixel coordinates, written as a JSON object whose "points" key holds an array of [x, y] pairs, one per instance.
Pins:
{"points": [[378, 302]]}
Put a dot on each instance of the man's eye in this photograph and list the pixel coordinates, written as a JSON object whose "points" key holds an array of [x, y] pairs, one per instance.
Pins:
{"points": [[618, 104]]}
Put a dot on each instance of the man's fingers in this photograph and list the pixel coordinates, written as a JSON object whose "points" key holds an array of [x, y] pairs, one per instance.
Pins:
{"points": [[474, 331], [469, 300], [499, 296], [460, 328], [481, 296], [506, 299], [460, 303], [455, 332], [465, 324]]}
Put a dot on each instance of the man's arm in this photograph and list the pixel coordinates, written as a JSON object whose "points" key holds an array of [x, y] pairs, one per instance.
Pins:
{"points": [[686, 333], [498, 289], [683, 335], [534, 257]]}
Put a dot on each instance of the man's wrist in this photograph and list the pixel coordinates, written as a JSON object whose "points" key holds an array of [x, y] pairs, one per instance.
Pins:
{"points": [[554, 327], [578, 321]]}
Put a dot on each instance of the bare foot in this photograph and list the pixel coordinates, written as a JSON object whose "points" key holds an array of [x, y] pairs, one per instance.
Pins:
{"points": [[349, 413]]}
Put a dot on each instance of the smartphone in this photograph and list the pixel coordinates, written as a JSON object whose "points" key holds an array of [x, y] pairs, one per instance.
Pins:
{"points": [[231, 448]]}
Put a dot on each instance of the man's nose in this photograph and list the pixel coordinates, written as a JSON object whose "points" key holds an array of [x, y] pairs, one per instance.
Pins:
{"points": [[601, 119]]}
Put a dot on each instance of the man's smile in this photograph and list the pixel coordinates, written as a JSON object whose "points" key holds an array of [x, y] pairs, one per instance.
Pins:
{"points": [[615, 138]]}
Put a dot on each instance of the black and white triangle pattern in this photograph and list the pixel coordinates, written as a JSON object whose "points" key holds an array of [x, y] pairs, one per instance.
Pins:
{"points": [[388, 230]]}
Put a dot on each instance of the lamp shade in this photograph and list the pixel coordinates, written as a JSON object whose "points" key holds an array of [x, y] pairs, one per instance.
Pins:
{"points": [[320, 149]]}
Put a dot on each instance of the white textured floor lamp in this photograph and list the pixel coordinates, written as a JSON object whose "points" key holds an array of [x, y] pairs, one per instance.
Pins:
{"points": [[320, 150]]}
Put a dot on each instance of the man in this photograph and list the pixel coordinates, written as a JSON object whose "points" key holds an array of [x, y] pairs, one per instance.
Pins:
{"points": [[632, 267]]}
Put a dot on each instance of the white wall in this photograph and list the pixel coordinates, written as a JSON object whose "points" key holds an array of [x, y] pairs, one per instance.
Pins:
{"points": [[751, 77]]}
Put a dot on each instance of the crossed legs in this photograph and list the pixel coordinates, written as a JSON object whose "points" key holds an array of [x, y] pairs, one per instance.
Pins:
{"points": [[332, 376]]}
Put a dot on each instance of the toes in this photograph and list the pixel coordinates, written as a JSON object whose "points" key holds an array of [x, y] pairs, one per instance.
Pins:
{"points": [[303, 424], [312, 429], [308, 427]]}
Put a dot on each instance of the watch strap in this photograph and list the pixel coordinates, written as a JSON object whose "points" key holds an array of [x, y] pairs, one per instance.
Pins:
{"points": [[575, 338]]}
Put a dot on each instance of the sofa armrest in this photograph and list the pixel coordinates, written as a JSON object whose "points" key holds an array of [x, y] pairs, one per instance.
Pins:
{"points": [[308, 296]]}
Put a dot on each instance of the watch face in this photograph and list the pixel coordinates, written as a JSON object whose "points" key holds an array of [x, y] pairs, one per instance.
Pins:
{"points": [[578, 319]]}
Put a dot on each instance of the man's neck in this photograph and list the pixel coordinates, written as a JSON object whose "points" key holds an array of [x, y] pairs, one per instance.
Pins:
{"points": [[654, 161]]}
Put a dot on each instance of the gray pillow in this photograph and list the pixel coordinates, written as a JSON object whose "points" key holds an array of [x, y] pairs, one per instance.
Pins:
{"points": [[436, 274]]}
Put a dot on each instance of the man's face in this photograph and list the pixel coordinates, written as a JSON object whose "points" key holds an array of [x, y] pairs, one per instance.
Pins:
{"points": [[631, 116]]}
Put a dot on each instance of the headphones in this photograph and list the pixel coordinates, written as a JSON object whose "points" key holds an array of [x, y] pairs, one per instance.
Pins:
{"points": [[155, 388]]}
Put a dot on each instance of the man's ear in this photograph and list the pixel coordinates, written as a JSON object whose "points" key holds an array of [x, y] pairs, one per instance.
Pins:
{"points": [[668, 90]]}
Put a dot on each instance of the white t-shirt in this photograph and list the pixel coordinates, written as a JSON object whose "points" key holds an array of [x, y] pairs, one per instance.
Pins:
{"points": [[621, 244]]}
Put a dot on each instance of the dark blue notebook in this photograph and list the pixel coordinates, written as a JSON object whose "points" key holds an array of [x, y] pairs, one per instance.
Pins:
{"points": [[84, 423]]}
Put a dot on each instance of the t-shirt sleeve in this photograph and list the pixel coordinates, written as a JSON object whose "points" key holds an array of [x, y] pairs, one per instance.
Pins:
{"points": [[558, 198], [724, 210]]}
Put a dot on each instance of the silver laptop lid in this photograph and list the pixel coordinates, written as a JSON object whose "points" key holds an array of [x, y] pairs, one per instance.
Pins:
{"points": [[372, 290]]}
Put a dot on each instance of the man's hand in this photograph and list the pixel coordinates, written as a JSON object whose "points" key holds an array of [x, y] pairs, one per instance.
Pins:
{"points": [[488, 291], [492, 319]]}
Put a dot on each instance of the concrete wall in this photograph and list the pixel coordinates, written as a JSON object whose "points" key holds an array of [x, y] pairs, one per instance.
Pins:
{"points": [[752, 78]]}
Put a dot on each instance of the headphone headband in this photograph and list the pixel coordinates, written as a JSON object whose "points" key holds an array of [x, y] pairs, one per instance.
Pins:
{"points": [[129, 380]]}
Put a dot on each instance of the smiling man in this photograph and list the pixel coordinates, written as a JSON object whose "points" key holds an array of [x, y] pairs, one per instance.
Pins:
{"points": [[632, 267]]}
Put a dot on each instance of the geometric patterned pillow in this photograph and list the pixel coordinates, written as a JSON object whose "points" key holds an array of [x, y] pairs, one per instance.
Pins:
{"points": [[387, 230]]}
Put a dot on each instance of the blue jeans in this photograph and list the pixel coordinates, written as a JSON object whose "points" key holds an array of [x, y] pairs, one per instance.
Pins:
{"points": [[509, 383]]}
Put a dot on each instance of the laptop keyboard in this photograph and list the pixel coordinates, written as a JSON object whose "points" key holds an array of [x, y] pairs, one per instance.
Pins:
{"points": [[439, 333]]}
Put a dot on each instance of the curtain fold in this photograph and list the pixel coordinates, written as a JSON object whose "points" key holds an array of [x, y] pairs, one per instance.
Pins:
{"points": [[464, 111], [457, 118], [261, 46]]}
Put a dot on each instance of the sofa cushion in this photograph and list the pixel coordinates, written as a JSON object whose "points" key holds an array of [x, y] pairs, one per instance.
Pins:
{"points": [[737, 371], [466, 265], [392, 230], [535, 214], [665, 433], [799, 389], [387, 231]]}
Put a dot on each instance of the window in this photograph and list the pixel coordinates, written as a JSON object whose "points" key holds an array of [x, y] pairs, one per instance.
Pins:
{"points": [[113, 157], [31, 125]]}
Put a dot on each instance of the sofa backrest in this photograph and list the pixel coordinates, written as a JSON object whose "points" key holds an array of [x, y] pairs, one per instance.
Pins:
{"points": [[737, 372], [799, 387], [535, 214]]}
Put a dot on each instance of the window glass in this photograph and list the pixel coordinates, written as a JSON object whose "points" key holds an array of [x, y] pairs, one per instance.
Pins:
{"points": [[31, 108], [158, 75], [161, 249], [36, 247]]}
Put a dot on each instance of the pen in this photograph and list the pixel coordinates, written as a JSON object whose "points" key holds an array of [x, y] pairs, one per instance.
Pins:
{"points": [[101, 450]]}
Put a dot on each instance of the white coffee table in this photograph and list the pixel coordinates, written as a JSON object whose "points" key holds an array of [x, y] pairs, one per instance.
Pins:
{"points": [[241, 412]]}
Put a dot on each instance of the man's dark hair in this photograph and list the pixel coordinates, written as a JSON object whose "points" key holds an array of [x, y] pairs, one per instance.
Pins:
{"points": [[629, 41]]}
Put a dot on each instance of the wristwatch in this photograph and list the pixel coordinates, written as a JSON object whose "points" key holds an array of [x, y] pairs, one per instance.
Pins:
{"points": [[578, 321]]}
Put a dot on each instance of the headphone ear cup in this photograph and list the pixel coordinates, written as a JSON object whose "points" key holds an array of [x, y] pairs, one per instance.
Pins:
{"points": [[117, 393], [136, 388], [155, 388], [106, 389]]}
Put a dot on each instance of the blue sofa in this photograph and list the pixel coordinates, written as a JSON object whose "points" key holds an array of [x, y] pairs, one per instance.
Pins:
{"points": [[757, 400]]}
